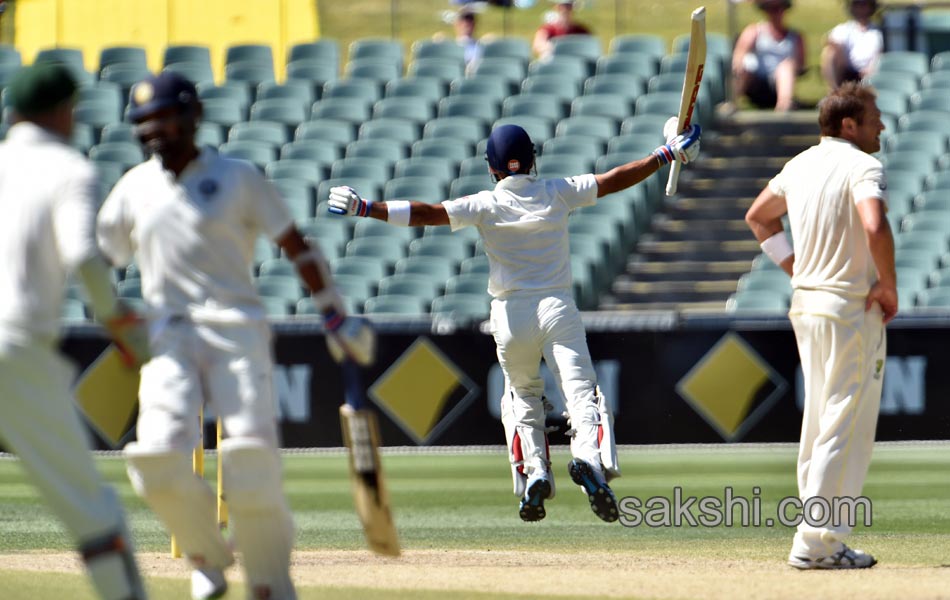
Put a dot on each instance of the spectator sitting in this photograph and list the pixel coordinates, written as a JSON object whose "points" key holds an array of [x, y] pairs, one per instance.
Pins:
{"points": [[767, 59], [562, 24], [854, 48]]}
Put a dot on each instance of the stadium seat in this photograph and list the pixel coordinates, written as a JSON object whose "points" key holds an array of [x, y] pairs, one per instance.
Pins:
{"points": [[606, 105], [628, 86], [659, 103], [257, 153], [387, 150], [469, 130], [223, 111], [476, 264], [395, 304], [467, 185], [649, 124], [10, 56], [440, 169], [126, 154], [332, 233], [250, 72], [591, 126], [292, 89], [474, 165], [386, 251], [289, 168], [325, 50], [641, 66], [448, 247], [906, 83], [97, 113], [335, 131], [315, 73], [178, 53], [441, 69], [576, 145], [260, 54], [342, 109], [355, 287], [430, 266], [289, 112], [572, 67], [563, 166], [128, 55], [581, 45], [467, 283], [379, 72], [118, 132], [507, 48], [914, 63], [232, 92], [444, 49], [315, 150], [562, 88], [383, 50], [535, 105], [362, 167], [209, 134], [925, 121], [486, 86], [441, 147], [198, 73], [72, 310], [483, 109], [261, 131], [427, 88], [375, 228], [462, 307], [936, 79], [299, 196], [638, 43], [421, 189], [502, 69], [417, 286], [388, 128], [412, 109], [364, 90], [280, 286]]}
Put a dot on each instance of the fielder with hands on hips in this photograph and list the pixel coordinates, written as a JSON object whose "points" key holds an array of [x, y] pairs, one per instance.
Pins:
{"points": [[49, 194], [523, 224], [190, 218], [845, 291]]}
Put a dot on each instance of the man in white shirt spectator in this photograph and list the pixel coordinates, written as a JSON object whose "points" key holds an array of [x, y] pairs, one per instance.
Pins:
{"points": [[854, 48]]}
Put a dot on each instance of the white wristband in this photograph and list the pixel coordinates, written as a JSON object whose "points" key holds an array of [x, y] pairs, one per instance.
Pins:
{"points": [[777, 248], [398, 212]]}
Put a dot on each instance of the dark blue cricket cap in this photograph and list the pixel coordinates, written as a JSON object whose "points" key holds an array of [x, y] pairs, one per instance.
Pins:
{"points": [[510, 150], [161, 91], [40, 88]]}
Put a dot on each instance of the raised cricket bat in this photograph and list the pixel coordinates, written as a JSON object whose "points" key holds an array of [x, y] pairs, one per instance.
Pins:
{"points": [[361, 436], [107, 393], [695, 62]]}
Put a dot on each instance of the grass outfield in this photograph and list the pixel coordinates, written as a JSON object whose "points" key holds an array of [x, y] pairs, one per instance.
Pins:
{"points": [[460, 530]]}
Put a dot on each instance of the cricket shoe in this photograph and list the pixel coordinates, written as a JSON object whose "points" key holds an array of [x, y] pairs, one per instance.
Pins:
{"points": [[846, 558], [532, 504], [207, 583], [601, 497]]}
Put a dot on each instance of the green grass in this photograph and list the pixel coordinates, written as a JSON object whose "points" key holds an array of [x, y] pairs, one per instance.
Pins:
{"points": [[463, 502], [419, 19]]}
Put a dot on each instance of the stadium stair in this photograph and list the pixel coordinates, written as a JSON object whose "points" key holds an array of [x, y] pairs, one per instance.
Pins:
{"points": [[698, 244]]}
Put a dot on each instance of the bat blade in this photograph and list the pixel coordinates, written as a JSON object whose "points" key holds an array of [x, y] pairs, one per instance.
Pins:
{"points": [[107, 395], [370, 495], [695, 63]]}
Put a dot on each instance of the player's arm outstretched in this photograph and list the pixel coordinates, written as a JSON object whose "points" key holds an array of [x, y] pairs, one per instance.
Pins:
{"points": [[348, 337], [345, 201], [682, 146]]}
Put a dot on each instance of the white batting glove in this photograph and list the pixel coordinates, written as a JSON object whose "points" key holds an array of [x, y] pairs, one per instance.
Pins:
{"points": [[345, 201], [683, 147], [129, 333], [350, 338]]}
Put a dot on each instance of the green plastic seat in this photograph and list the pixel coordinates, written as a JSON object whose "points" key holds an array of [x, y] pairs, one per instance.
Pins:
{"points": [[442, 147], [341, 109], [280, 286], [223, 111], [466, 129], [127, 154], [326, 50], [390, 128], [430, 266], [192, 53], [482, 109], [289, 168], [507, 48], [445, 70], [914, 63], [587, 146], [378, 49], [555, 86], [614, 106], [467, 185], [316, 73], [257, 153], [374, 70], [628, 86], [534, 105], [440, 169], [270, 132], [639, 43], [131, 55], [462, 307], [395, 304], [421, 189], [427, 88], [383, 149], [313, 149], [638, 65], [335, 131], [417, 286], [251, 73], [372, 169], [412, 109], [573, 67], [482, 86], [502, 69], [563, 165]]}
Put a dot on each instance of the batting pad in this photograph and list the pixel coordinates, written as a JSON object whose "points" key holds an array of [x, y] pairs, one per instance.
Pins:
{"points": [[605, 438], [527, 444], [182, 500], [110, 561], [260, 518]]}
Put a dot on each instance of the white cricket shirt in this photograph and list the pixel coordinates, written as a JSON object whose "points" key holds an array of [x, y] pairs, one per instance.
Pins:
{"points": [[822, 187], [523, 224], [48, 196], [193, 236]]}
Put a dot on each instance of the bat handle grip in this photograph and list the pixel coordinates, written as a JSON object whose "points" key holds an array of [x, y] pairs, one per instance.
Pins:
{"points": [[674, 177], [352, 384]]}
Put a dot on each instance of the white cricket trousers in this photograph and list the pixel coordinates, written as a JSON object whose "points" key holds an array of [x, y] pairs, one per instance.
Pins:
{"points": [[528, 326], [227, 367], [39, 423], [842, 350]]}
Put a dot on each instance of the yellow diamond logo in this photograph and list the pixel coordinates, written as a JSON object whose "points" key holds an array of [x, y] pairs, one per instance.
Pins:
{"points": [[731, 387], [423, 391]]}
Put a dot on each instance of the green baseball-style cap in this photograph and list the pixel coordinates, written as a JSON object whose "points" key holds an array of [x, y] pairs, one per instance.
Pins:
{"points": [[40, 87]]}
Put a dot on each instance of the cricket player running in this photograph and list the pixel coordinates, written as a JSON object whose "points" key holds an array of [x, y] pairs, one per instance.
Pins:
{"points": [[190, 218], [845, 290], [523, 224], [48, 193]]}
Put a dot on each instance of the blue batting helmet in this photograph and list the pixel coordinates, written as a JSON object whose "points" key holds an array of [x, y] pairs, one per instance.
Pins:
{"points": [[167, 89], [510, 150]]}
